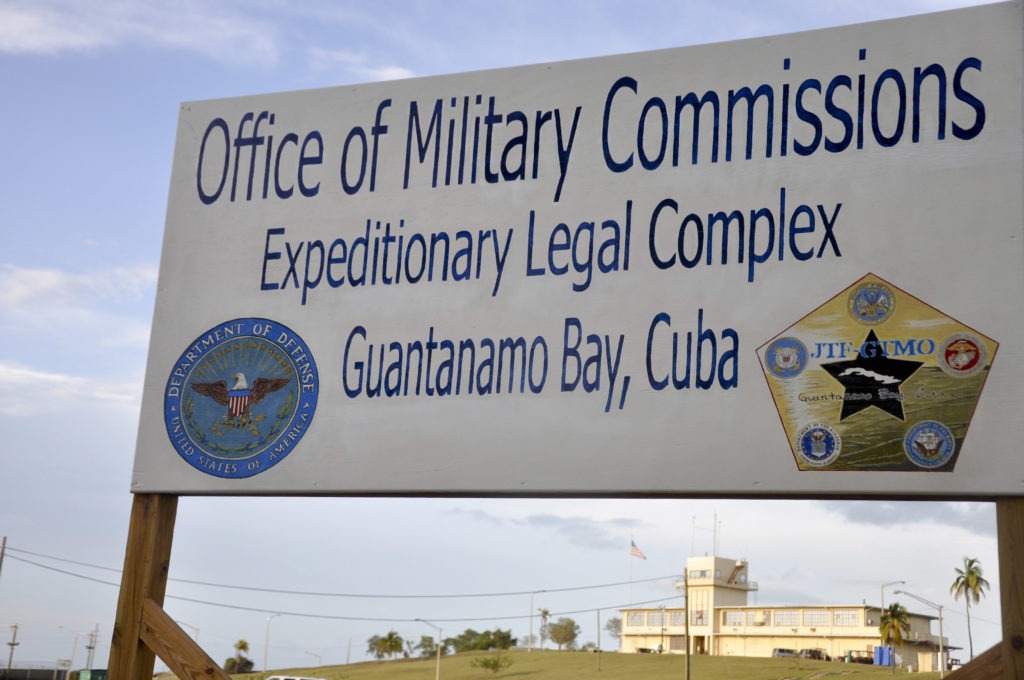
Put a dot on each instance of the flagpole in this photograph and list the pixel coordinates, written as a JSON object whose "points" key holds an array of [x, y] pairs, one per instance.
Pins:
{"points": [[629, 592]]}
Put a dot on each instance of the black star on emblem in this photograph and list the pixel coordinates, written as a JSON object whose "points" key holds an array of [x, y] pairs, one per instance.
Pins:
{"points": [[872, 379]]}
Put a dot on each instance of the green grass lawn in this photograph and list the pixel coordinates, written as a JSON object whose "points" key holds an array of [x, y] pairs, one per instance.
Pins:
{"points": [[552, 665]]}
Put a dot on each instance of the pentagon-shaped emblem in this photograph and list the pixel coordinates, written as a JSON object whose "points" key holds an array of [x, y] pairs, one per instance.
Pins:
{"points": [[876, 380]]}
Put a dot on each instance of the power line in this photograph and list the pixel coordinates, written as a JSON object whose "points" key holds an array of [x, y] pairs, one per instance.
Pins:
{"points": [[333, 617], [280, 591]]}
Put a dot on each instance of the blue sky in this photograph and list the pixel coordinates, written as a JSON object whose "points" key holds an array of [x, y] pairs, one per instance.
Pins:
{"points": [[90, 101]]}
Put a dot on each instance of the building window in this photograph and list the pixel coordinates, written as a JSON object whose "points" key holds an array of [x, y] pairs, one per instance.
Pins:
{"points": [[634, 619], [732, 618], [655, 618], [787, 617], [846, 617], [678, 618], [816, 617], [699, 618], [757, 617]]}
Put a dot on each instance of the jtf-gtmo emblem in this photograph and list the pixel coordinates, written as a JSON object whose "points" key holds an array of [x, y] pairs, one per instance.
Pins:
{"points": [[240, 398]]}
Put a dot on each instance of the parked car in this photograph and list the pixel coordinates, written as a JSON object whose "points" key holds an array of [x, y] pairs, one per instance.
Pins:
{"points": [[784, 653], [816, 653]]}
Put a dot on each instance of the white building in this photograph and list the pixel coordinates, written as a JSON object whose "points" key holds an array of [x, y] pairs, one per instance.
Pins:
{"points": [[723, 623]]}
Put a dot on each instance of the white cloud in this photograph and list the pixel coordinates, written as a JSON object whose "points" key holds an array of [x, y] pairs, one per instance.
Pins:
{"points": [[355, 63], [25, 391], [56, 26], [27, 288]]}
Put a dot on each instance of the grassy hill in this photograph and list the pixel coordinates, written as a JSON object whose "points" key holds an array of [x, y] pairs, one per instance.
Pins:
{"points": [[552, 665]]}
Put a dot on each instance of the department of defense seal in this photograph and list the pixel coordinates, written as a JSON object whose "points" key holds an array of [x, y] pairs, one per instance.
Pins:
{"points": [[786, 357], [818, 444], [872, 303], [240, 397], [929, 444], [962, 355]]}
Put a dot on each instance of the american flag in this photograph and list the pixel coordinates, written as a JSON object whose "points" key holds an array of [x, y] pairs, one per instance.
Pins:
{"points": [[635, 551]]}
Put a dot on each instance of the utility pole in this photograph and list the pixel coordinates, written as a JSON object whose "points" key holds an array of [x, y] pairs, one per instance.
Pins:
{"points": [[91, 646], [12, 644], [3, 549]]}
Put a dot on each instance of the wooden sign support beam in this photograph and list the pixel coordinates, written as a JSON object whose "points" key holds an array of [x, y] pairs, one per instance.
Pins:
{"points": [[142, 629]]}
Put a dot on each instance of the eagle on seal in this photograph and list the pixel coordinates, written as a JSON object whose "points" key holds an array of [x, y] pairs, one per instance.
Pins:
{"points": [[240, 398]]}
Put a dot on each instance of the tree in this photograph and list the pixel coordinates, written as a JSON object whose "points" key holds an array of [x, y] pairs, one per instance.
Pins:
{"points": [[614, 627], [495, 664], [564, 633], [894, 625], [375, 646], [427, 646], [238, 663], [544, 616], [470, 640], [970, 585], [388, 645], [392, 644]]}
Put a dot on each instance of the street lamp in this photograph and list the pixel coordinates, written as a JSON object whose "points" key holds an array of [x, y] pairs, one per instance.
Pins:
{"points": [[437, 672], [529, 640], [882, 592], [266, 641], [319, 659], [942, 652]]}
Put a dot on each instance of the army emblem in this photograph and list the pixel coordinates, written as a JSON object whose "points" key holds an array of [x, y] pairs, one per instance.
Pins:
{"points": [[872, 303], [240, 397]]}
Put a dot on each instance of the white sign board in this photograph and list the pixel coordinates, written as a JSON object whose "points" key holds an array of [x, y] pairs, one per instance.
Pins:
{"points": [[783, 266]]}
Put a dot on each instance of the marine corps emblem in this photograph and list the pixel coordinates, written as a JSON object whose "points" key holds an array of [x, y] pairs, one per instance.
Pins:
{"points": [[240, 398], [962, 355]]}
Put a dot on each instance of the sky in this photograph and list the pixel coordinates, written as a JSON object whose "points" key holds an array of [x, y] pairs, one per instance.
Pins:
{"points": [[90, 100]]}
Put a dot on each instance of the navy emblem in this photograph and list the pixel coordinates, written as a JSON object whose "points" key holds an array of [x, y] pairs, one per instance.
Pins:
{"points": [[786, 357], [872, 303], [240, 397], [818, 444], [962, 355], [929, 444]]}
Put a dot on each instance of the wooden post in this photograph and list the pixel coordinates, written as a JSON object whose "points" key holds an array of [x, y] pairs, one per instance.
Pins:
{"points": [[146, 561], [1010, 533]]}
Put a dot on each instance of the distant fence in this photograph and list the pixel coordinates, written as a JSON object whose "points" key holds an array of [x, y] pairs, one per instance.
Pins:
{"points": [[34, 673]]}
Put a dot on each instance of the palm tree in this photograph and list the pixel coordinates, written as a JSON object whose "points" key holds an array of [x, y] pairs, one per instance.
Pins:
{"points": [[392, 644], [545, 614], [969, 584], [240, 648], [894, 625]]}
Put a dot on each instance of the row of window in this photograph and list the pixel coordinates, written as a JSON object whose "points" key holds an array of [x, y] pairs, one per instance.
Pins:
{"points": [[793, 617], [751, 617]]}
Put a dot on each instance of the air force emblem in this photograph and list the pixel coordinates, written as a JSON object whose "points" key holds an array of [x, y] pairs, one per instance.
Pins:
{"points": [[223, 424]]}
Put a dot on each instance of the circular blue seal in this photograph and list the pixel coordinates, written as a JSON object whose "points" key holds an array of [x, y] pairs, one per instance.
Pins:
{"points": [[872, 303], [818, 444], [929, 444], [786, 358], [240, 397]]}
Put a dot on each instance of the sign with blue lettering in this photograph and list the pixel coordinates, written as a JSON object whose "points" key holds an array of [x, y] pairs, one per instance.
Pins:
{"points": [[773, 267]]}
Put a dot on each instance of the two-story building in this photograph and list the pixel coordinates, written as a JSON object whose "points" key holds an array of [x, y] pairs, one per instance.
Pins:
{"points": [[722, 622]]}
